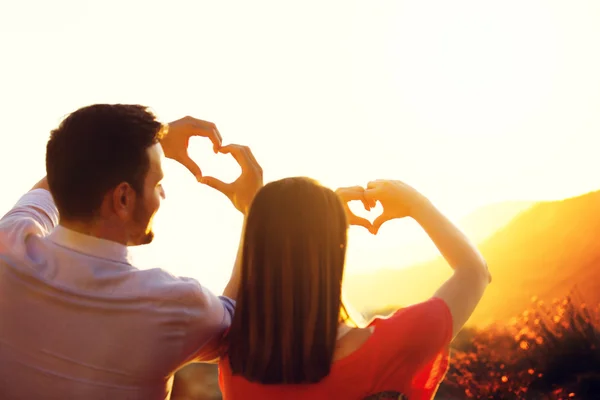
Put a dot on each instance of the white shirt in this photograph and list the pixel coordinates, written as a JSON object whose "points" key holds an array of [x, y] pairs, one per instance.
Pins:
{"points": [[78, 321]]}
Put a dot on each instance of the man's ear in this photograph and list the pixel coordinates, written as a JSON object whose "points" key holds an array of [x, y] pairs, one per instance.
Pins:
{"points": [[123, 200]]}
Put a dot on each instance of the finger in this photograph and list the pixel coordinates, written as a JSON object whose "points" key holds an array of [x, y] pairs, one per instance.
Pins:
{"points": [[220, 141], [352, 193], [239, 154], [372, 202], [207, 129], [373, 184], [187, 162], [213, 135], [216, 184], [253, 159], [378, 222], [366, 203], [360, 222], [371, 195]]}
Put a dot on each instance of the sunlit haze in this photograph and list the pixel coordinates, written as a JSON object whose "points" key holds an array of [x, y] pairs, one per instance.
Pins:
{"points": [[471, 102]]}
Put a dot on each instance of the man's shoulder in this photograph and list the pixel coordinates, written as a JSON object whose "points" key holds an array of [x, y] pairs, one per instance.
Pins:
{"points": [[178, 291], [159, 282], [34, 212]]}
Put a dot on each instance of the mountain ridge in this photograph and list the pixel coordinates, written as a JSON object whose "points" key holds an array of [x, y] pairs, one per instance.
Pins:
{"points": [[558, 235]]}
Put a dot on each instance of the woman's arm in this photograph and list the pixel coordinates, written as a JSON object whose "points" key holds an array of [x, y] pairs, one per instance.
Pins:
{"points": [[463, 291]]}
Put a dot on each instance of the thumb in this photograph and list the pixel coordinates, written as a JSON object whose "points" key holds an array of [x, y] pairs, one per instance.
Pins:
{"points": [[187, 162], [378, 222], [361, 222], [216, 184]]}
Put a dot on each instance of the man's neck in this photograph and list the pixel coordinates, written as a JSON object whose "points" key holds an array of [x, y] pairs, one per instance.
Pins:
{"points": [[97, 229]]}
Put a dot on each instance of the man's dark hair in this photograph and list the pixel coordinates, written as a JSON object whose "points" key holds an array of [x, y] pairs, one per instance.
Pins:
{"points": [[95, 149]]}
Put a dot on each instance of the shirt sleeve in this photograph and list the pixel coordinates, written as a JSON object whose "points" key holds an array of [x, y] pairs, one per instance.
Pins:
{"points": [[415, 341], [35, 213], [210, 317]]}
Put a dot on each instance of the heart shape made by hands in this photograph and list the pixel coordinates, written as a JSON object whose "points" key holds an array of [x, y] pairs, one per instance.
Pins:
{"points": [[228, 169], [365, 214], [358, 210]]}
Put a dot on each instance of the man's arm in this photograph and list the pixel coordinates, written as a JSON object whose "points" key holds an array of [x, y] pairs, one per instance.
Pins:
{"points": [[212, 349], [34, 213], [210, 317], [42, 184]]}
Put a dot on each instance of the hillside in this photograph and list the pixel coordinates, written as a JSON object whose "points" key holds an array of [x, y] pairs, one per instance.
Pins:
{"points": [[478, 226], [481, 224], [545, 251]]}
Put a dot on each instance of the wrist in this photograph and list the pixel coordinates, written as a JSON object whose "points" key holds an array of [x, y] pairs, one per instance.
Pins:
{"points": [[163, 133], [421, 207]]}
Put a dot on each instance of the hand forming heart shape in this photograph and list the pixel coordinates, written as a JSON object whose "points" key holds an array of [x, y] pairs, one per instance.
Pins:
{"points": [[241, 191], [175, 140], [397, 199], [176, 136], [356, 193]]}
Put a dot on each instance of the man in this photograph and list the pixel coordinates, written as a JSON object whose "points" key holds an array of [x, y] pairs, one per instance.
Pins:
{"points": [[77, 319]]}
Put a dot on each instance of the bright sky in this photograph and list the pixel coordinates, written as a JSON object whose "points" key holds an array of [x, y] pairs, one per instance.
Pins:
{"points": [[472, 102]]}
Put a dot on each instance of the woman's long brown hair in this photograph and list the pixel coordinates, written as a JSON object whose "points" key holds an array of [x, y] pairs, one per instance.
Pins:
{"points": [[289, 302]]}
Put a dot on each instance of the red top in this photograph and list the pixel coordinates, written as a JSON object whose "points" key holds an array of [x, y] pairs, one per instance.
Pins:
{"points": [[406, 357]]}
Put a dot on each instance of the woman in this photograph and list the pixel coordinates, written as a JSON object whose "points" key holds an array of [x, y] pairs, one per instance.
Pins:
{"points": [[291, 337]]}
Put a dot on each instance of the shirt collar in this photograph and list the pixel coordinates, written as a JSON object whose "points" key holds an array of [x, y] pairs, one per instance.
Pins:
{"points": [[90, 245]]}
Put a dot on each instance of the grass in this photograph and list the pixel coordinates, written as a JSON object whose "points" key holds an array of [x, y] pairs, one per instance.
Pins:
{"points": [[548, 352]]}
